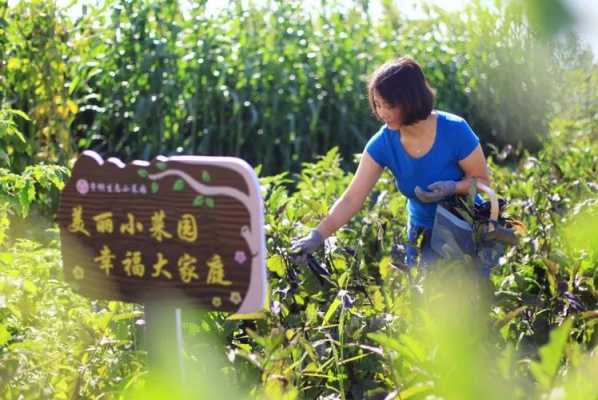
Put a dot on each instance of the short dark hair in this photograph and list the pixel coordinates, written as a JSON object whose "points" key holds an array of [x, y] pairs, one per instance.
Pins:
{"points": [[401, 82]]}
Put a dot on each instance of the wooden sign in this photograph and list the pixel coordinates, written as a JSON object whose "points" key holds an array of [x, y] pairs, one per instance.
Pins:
{"points": [[188, 228]]}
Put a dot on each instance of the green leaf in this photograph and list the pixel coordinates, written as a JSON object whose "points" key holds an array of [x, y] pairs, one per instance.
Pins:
{"points": [[386, 342], [6, 258], [299, 299], [551, 354], [333, 306], [4, 335], [26, 196], [384, 267], [154, 187], [378, 300], [29, 286], [415, 348], [161, 166], [198, 201], [276, 264], [417, 389], [210, 202], [311, 312], [407, 346], [504, 331], [20, 114], [19, 135], [205, 176], [142, 173], [581, 231], [396, 204], [339, 262], [179, 185]]}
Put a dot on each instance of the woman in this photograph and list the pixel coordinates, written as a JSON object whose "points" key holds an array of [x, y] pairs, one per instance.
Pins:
{"points": [[432, 154]]}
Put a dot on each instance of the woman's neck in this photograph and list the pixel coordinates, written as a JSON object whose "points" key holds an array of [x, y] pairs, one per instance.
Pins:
{"points": [[418, 128]]}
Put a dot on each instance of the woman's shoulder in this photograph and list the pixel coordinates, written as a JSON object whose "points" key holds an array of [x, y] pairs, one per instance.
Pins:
{"points": [[452, 124], [381, 132], [457, 130], [450, 117], [379, 137], [377, 146]]}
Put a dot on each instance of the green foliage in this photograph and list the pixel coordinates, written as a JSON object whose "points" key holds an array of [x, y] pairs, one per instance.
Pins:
{"points": [[38, 184], [276, 85], [10, 136], [551, 354], [36, 188], [38, 78], [548, 16], [372, 329], [138, 78], [579, 232], [46, 328]]}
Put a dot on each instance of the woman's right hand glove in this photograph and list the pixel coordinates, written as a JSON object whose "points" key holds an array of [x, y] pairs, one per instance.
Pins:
{"points": [[438, 191], [300, 248]]}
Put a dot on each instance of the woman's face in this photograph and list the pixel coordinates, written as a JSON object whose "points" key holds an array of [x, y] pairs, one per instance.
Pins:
{"points": [[389, 114]]}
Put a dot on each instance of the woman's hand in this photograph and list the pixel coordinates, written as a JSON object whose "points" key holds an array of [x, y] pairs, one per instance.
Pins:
{"points": [[306, 245], [439, 190]]}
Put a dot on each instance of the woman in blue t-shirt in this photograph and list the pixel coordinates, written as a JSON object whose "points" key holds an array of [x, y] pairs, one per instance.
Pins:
{"points": [[432, 154]]}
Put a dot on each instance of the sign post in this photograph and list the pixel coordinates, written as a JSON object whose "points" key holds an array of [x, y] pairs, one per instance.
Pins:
{"points": [[165, 357], [176, 231]]}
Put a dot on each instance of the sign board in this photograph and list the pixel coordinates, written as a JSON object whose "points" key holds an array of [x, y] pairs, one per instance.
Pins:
{"points": [[188, 228]]}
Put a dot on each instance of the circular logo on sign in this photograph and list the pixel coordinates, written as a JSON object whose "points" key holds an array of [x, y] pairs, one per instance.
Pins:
{"points": [[82, 186]]}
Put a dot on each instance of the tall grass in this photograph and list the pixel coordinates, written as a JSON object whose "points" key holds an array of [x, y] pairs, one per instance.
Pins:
{"points": [[274, 82]]}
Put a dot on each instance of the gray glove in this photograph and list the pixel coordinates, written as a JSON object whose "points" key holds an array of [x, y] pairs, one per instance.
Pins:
{"points": [[439, 190], [302, 247]]}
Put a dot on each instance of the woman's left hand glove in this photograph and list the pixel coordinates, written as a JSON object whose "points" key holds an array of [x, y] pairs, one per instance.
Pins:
{"points": [[306, 245], [439, 190]]}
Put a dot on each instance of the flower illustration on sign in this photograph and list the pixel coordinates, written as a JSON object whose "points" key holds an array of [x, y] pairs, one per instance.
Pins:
{"points": [[82, 186], [240, 257], [78, 273], [235, 297]]}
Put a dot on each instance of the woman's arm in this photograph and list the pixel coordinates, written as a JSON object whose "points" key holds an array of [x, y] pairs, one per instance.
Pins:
{"points": [[368, 173], [474, 166]]}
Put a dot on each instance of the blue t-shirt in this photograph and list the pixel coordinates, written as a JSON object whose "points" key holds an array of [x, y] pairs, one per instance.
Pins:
{"points": [[454, 141]]}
